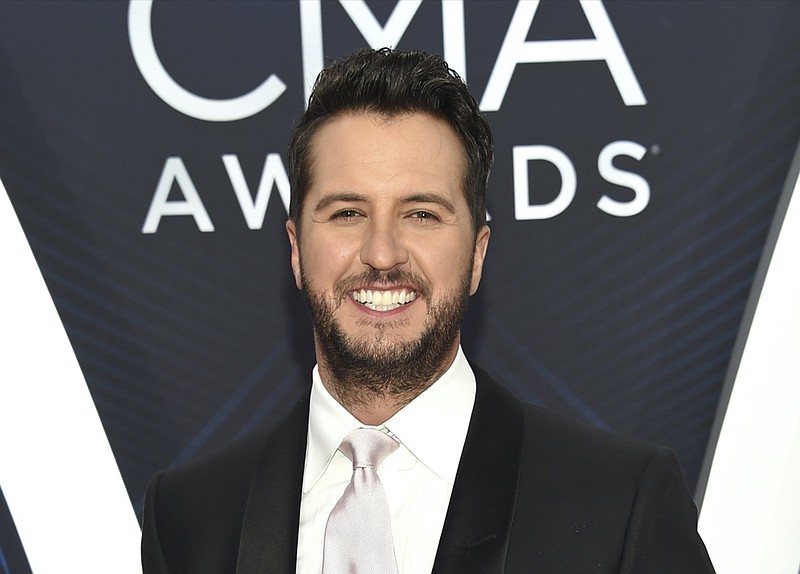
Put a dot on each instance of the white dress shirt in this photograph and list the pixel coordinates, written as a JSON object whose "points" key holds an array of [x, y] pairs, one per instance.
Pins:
{"points": [[418, 477]]}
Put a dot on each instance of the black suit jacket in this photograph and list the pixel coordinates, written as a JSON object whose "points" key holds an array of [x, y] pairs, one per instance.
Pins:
{"points": [[534, 493]]}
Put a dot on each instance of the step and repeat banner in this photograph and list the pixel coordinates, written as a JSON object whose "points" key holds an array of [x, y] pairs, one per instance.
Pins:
{"points": [[641, 149]]}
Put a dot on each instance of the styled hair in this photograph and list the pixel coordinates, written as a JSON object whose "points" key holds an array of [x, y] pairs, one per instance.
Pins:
{"points": [[391, 83]]}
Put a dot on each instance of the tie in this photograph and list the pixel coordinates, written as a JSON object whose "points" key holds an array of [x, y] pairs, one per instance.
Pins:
{"points": [[358, 537]]}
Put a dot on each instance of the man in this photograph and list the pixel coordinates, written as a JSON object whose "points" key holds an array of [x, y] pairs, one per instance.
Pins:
{"points": [[387, 229]]}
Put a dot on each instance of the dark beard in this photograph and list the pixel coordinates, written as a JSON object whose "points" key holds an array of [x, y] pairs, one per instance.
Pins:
{"points": [[363, 370]]}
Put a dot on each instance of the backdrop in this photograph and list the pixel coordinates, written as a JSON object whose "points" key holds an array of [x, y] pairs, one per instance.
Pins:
{"points": [[641, 148]]}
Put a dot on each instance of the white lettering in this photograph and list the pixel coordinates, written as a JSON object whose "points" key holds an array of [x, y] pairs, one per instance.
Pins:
{"points": [[569, 182], [604, 46], [175, 171], [453, 36], [377, 36], [611, 174], [140, 34], [311, 39], [273, 175]]}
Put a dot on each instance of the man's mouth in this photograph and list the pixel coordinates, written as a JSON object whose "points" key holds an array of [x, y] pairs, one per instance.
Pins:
{"points": [[383, 300]]}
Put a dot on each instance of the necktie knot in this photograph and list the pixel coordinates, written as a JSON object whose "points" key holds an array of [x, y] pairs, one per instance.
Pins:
{"points": [[367, 447]]}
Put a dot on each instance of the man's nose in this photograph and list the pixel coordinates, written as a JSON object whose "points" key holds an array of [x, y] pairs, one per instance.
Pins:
{"points": [[383, 248]]}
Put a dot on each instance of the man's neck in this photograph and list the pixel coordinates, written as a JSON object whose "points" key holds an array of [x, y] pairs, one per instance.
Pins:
{"points": [[376, 412]]}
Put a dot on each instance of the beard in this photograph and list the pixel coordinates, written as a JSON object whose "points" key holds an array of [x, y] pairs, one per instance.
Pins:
{"points": [[380, 365]]}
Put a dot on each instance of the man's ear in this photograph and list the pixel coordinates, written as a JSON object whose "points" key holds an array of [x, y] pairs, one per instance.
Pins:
{"points": [[291, 231], [481, 245]]}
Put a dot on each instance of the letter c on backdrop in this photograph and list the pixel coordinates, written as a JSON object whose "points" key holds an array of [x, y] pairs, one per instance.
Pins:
{"points": [[140, 34]]}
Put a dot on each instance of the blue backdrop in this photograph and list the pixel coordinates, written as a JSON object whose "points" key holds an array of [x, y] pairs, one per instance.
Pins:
{"points": [[636, 176]]}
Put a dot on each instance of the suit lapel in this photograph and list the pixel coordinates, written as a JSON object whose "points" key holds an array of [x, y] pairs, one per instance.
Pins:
{"points": [[478, 522], [268, 541]]}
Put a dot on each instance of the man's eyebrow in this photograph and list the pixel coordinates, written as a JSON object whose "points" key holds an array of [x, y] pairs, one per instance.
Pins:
{"points": [[349, 197], [430, 198], [332, 198]]}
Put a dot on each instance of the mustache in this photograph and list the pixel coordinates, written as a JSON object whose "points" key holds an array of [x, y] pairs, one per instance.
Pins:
{"points": [[389, 278]]}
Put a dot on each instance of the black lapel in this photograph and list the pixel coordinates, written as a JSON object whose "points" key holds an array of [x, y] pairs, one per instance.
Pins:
{"points": [[478, 522], [268, 540]]}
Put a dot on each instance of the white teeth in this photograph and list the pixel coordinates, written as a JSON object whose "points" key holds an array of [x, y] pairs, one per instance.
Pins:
{"points": [[383, 300]]}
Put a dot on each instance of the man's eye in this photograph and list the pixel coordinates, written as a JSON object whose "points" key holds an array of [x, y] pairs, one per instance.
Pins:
{"points": [[425, 216], [345, 214]]}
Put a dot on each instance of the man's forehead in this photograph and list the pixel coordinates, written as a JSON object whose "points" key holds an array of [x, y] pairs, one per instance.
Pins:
{"points": [[341, 140]]}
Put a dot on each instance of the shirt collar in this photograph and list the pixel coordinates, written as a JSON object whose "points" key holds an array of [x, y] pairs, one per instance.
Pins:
{"points": [[432, 427]]}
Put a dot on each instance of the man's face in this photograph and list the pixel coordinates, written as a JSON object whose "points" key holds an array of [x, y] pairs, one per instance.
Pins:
{"points": [[386, 252]]}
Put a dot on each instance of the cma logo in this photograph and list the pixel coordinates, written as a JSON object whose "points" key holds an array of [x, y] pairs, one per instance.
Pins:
{"points": [[515, 50]]}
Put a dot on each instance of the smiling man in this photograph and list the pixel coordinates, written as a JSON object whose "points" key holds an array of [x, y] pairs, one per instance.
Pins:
{"points": [[404, 457], [388, 257]]}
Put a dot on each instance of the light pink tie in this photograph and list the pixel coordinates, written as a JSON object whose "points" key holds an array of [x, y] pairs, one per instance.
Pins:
{"points": [[358, 537]]}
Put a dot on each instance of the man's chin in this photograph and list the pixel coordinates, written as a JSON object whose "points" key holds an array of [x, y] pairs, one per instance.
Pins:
{"points": [[397, 369], [383, 338], [382, 350]]}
